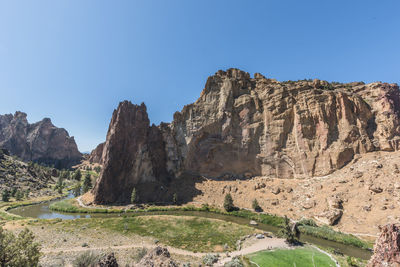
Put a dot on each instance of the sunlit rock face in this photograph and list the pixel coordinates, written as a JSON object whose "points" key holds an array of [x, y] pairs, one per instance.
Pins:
{"points": [[243, 127], [40, 142]]}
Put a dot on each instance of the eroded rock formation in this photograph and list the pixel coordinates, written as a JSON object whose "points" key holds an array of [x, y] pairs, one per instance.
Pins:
{"points": [[387, 247], [40, 142], [243, 127], [96, 155], [133, 153]]}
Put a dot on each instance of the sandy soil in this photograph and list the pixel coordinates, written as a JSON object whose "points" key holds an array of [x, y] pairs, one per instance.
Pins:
{"points": [[369, 188]]}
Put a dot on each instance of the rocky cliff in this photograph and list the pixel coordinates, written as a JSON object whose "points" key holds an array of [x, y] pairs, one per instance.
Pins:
{"points": [[40, 142], [387, 247], [96, 155], [243, 127], [133, 153]]}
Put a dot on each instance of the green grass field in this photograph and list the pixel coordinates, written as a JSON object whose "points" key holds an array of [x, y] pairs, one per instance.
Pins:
{"points": [[186, 232], [299, 257]]}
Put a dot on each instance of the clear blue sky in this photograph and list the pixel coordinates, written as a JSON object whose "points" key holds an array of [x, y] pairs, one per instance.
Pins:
{"points": [[74, 61]]}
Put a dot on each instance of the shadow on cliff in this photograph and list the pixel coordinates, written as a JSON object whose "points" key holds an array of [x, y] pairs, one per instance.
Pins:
{"points": [[163, 194]]}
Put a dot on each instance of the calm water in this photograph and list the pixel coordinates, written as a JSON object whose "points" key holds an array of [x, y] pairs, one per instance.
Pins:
{"points": [[42, 211]]}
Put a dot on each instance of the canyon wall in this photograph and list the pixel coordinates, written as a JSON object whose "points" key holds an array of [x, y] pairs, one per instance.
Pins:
{"points": [[40, 142], [242, 127]]}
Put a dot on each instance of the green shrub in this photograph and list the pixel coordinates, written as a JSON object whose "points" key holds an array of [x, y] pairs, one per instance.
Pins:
{"points": [[328, 233], [309, 222], [86, 259], [139, 254], [228, 203], [352, 262], [210, 259], [256, 206], [291, 234], [235, 262], [20, 250], [5, 195]]}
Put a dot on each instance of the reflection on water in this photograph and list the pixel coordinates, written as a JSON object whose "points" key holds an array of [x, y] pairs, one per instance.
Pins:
{"points": [[42, 211]]}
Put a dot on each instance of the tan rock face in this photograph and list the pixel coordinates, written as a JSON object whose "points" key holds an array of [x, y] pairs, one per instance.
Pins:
{"points": [[40, 142], [245, 127], [387, 247]]}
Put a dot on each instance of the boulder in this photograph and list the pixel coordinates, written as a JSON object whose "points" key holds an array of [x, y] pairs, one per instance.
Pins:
{"points": [[108, 260], [158, 257], [330, 217]]}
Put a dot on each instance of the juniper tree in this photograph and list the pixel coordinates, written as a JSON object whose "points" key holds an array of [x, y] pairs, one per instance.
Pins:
{"points": [[228, 203], [18, 250], [5, 195], [87, 183]]}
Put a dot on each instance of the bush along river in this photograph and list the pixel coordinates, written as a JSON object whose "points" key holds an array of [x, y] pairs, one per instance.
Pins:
{"points": [[42, 211]]}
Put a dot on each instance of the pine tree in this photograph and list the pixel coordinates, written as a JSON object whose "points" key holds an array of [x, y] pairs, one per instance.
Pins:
{"points": [[19, 195], [77, 175], [60, 185], [5, 196], [13, 191], [77, 190], [87, 183]]}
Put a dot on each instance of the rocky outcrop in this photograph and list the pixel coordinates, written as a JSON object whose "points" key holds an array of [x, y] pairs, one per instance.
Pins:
{"points": [[134, 153], [96, 155], [242, 127], [387, 247], [157, 257], [41, 142], [335, 210], [107, 260]]}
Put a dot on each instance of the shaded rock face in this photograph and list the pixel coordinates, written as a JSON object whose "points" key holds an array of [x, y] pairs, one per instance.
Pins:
{"points": [[41, 142], [96, 155], [133, 153], [243, 127], [387, 247]]}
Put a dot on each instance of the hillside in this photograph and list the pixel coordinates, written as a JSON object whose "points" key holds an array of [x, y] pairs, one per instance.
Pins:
{"points": [[29, 178]]}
